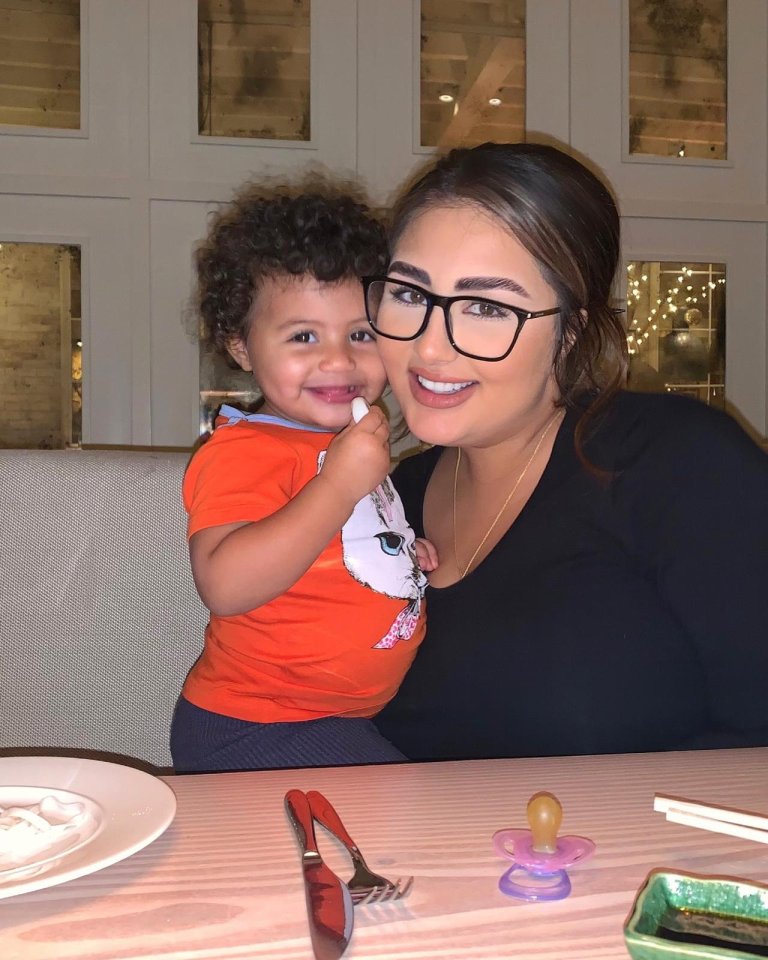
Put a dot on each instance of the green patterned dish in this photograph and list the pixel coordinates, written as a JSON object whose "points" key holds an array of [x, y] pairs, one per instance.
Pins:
{"points": [[680, 916]]}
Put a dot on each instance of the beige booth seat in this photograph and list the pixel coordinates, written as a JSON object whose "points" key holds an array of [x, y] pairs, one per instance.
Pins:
{"points": [[99, 617]]}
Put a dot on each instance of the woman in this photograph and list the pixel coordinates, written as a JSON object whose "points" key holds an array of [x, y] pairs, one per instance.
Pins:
{"points": [[603, 575]]}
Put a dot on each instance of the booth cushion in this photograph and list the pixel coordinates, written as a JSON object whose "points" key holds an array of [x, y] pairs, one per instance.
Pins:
{"points": [[99, 615]]}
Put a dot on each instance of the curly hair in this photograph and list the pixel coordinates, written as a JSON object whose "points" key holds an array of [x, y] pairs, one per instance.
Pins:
{"points": [[314, 228]]}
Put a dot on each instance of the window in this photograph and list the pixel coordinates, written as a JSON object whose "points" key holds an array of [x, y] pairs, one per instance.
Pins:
{"points": [[41, 371], [40, 63], [677, 78], [472, 72], [253, 69], [676, 329]]}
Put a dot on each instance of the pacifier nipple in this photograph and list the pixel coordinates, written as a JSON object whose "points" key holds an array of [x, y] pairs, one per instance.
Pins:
{"points": [[545, 814], [359, 409]]}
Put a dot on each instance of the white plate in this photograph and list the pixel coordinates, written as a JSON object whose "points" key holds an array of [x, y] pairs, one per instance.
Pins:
{"points": [[137, 809]]}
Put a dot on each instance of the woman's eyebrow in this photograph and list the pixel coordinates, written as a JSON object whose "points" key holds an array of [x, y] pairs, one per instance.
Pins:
{"points": [[408, 270], [465, 283], [491, 283]]}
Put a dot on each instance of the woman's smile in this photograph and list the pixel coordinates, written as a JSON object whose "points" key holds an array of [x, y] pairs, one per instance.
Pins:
{"points": [[433, 391]]}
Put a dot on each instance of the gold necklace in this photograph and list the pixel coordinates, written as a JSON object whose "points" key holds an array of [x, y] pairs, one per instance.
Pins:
{"points": [[504, 505]]}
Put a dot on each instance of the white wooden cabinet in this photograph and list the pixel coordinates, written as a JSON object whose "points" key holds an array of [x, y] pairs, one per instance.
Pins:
{"points": [[108, 149], [135, 185], [178, 152], [686, 209], [599, 96]]}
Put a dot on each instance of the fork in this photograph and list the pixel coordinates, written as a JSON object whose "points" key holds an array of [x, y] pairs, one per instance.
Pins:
{"points": [[365, 886]]}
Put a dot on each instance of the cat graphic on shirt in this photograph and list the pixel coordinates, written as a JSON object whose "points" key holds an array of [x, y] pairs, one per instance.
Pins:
{"points": [[379, 551]]}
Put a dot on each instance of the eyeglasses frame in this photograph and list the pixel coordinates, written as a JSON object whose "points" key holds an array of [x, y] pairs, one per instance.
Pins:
{"points": [[434, 300]]}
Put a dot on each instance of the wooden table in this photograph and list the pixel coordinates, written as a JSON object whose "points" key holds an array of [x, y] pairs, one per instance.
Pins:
{"points": [[224, 880]]}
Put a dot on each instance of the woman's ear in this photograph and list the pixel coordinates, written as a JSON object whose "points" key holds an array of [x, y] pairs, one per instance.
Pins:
{"points": [[238, 350]]}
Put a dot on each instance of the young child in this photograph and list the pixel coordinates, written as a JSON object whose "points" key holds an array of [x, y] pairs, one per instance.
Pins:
{"points": [[298, 543]]}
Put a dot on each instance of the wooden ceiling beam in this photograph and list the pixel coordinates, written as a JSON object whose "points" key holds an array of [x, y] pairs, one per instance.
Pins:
{"points": [[487, 70]]}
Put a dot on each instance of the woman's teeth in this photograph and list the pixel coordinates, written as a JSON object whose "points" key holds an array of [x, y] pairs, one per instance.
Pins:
{"points": [[438, 386]]}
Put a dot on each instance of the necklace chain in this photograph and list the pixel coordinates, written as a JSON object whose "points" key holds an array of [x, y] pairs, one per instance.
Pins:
{"points": [[463, 572]]}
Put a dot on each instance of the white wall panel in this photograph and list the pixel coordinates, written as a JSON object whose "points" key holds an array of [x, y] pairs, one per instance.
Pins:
{"points": [[176, 227], [548, 66]]}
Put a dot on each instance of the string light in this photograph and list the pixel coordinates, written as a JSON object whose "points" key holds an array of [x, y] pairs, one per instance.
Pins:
{"points": [[649, 323]]}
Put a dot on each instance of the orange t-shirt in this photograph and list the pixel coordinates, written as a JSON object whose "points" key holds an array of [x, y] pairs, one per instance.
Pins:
{"points": [[340, 641]]}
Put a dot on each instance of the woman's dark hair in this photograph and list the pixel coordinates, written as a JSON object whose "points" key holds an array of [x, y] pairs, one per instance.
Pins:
{"points": [[312, 229], [567, 220]]}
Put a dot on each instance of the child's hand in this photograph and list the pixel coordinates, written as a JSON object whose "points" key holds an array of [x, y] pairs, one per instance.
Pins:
{"points": [[426, 554], [357, 460]]}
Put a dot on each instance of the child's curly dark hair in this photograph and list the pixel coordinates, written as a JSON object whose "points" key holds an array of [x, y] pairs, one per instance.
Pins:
{"points": [[314, 228]]}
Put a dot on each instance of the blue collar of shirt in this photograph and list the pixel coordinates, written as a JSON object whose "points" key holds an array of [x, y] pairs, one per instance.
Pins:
{"points": [[234, 416]]}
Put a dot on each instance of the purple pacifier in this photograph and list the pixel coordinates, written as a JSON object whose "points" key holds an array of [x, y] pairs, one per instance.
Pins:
{"points": [[539, 856]]}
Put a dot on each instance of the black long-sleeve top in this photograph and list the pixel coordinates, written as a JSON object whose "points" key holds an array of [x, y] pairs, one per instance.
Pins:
{"points": [[616, 615]]}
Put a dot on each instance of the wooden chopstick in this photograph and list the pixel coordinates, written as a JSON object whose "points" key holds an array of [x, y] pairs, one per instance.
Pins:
{"points": [[733, 823]]}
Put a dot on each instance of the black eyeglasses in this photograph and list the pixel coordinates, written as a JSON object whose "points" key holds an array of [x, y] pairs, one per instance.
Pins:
{"points": [[476, 327]]}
